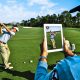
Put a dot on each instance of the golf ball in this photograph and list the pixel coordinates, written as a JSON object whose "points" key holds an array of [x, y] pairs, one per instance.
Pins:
{"points": [[24, 62], [31, 61]]}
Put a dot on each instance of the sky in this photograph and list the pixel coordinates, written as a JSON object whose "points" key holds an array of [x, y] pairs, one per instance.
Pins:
{"points": [[18, 10]]}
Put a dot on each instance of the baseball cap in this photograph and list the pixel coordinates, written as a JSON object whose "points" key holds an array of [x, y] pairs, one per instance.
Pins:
{"points": [[16, 28]]}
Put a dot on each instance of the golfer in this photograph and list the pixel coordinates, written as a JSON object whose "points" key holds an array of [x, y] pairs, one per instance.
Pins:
{"points": [[66, 69], [52, 36], [4, 50]]}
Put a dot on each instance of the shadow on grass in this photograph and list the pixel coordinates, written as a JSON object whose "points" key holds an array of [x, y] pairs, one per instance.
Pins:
{"points": [[50, 47], [27, 74], [50, 67], [5, 79], [77, 52]]}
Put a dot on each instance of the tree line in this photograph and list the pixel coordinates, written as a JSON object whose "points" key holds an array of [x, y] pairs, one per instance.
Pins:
{"points": [[65, 18]]}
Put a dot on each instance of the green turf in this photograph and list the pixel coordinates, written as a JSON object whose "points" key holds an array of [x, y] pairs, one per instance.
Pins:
{"points": [[25, 46]]}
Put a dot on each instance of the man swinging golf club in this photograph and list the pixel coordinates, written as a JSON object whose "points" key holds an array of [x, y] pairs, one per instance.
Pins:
{"points": [[4, 50], [52, 35]]}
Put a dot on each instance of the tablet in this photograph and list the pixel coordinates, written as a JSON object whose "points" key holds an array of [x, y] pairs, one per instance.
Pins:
{"points": [[53, 34]]}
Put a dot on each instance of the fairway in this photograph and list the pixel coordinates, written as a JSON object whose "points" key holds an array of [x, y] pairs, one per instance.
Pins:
{"points": [[25, 46]]}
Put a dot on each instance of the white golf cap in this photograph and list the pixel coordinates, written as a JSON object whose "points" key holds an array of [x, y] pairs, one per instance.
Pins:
{"points": [[16, 28]]}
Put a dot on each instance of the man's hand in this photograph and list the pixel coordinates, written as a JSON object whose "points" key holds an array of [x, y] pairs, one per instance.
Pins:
{"points": [[5, 27], [66, 45], [67, 48], [2, 24]]}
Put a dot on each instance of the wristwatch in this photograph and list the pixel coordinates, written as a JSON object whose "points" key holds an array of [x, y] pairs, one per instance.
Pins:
{"points": [[42, 57]]}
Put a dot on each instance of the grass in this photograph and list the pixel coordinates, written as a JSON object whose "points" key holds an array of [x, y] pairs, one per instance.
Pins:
{"points": [[25, 47]]}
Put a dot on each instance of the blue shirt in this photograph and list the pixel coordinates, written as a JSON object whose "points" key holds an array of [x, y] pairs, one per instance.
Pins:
{"points": [[42, 73], [6, 36], [67, 69]]}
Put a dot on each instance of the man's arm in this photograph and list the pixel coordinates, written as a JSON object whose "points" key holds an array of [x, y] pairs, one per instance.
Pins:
{"points": [[5, 27], [41, 72]]}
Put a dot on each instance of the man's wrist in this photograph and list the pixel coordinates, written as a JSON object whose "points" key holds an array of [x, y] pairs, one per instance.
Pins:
{"points": [[43, 58]]}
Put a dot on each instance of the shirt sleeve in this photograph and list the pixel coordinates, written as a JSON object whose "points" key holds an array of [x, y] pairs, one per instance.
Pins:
{"points": [[12, 33], [4, 30], [42, 73]]}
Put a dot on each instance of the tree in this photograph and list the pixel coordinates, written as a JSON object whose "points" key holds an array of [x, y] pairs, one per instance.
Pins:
{"points": [[78, 19], [66, 17]]}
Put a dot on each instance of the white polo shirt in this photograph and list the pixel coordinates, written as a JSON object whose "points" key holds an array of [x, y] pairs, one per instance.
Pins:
{"points": [[52, 36], [6, 36]]}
